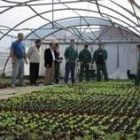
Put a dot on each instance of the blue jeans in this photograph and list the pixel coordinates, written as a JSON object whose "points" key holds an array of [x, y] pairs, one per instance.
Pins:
{"points": [[70, 67], [18, 69]]}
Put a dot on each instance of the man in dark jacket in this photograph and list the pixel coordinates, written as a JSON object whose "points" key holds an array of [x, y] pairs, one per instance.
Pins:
{"points": [[71, 55], [49, 59], [85, 60], [100, 57]]}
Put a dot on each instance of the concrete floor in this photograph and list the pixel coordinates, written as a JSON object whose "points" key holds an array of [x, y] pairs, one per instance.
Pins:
{"points": [[10, 92]]}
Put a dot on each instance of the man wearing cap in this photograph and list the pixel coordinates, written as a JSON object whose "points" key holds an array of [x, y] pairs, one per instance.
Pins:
{"points": [[71, 55], [100, 58], [137, 79], [34, 58], [85, 60]]}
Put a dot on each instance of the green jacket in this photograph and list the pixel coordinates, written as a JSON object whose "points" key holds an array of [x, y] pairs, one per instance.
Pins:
{"points": [[99, 56], [85, 56], [71, 54]]}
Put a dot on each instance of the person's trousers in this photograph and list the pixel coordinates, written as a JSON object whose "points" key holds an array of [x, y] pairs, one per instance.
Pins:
{"points": [[102, 68], [56, 73], [137, 79], [84, 66], [18, 69], [49, 75], [34, 72], [70, 67]]}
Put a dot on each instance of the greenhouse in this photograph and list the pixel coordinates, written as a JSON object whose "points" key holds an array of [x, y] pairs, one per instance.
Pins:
{"points": [[78, 65]]}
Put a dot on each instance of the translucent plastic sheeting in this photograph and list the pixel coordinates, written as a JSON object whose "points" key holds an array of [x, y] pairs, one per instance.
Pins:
{"points": [[31, 14]]}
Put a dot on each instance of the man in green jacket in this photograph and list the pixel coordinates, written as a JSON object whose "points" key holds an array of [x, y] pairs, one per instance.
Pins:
{"points": [[137, 79], [85, 60], [71, 55], [100, 57]]}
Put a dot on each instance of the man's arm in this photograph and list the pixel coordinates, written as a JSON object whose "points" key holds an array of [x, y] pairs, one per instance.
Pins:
{"points": [[45, 57], [25, 57], [106, 55], [29, 52], [26, 61], [12, 56], [94, 57], [66, 54], [90, 57], [76, 54], [80, 57]]}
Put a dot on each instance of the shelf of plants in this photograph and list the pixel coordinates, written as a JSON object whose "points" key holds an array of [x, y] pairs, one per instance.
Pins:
{"points": [[86, 111]]}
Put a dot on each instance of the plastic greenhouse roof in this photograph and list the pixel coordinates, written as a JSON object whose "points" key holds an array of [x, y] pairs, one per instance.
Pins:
{"points": [[50, 16], [71, 23]]}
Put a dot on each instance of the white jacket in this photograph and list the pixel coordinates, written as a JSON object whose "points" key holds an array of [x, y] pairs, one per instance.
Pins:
{"points": [[33, 55]]}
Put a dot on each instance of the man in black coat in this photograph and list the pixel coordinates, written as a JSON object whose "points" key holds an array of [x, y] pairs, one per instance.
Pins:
{"points": [[49, 59]]}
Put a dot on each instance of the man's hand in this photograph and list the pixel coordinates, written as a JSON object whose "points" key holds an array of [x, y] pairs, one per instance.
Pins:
{"points": [[92, 66], [67, 60], [13, 61], [26, 61], [88, 64]]}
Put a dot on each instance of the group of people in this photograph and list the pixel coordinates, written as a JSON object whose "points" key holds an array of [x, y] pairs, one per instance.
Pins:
{"points": [[52, 60], [19, 56]]}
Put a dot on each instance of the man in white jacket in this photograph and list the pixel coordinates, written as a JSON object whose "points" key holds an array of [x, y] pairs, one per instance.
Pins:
{"points": [[34, 58]]}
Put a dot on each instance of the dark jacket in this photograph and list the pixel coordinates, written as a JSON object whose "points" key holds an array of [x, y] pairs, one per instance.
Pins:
{"points": [[100, 56], [71, 54], [56, 53], [48, 58], [85, 56]]}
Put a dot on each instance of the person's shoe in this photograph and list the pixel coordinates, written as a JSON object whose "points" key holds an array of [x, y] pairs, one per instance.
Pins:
{"points": [[22, 85], [136, 87], [12, 86], [52, 84], [32, 85], [47, 84], [56, 82], [36, 84], [73, 83], [66, 83]]}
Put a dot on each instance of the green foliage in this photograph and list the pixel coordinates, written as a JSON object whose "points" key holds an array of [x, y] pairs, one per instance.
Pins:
{"points": [[86, 111]]}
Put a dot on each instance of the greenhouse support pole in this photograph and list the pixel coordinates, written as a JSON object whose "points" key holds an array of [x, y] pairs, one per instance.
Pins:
{"points": [[3, 73], [53, 13]]}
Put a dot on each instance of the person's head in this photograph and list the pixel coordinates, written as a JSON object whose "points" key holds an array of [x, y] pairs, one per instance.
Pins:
{"points": [[52, 45], [20, 36], [138, 46], [86, 46], [100, 45], [56, 46], [72, 42], [38, 43]]}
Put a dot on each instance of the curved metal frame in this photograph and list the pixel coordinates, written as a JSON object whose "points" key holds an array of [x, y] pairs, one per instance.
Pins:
{"points": [[77, 18], [26, 4], [63, 10], [18, 4]]}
